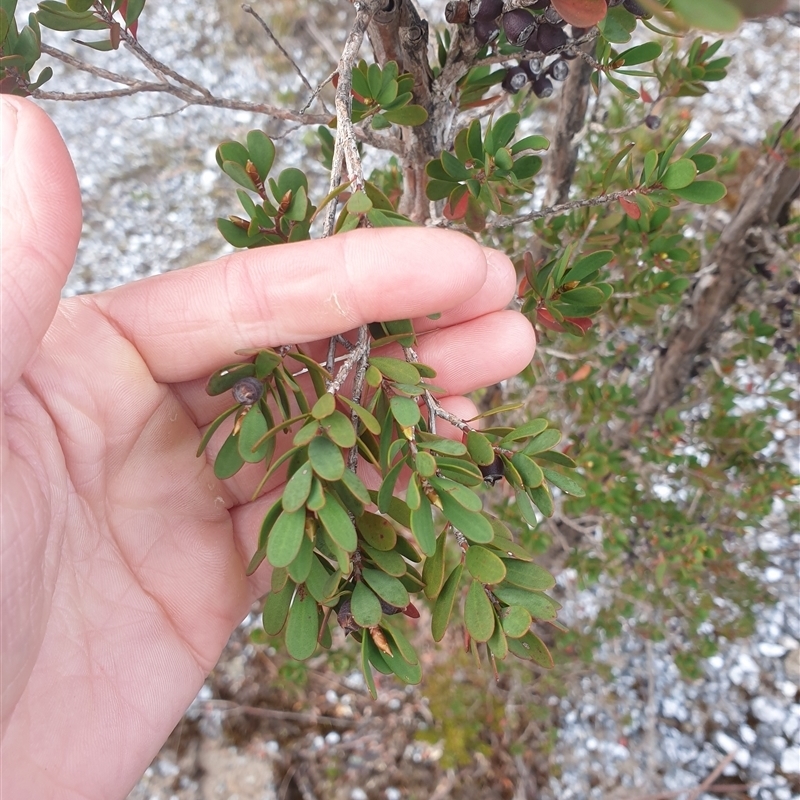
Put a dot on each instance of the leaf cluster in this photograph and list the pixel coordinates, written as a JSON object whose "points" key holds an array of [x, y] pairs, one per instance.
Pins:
{"points": [[384, 96], [19, 52], [358, 557], [483, 170]]}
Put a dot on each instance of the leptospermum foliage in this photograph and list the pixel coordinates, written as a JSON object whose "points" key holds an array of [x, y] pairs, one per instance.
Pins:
{"points": [[345, 556]]}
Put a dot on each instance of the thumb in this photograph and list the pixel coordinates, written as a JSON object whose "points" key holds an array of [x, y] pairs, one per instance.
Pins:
{"points": [[40, 206]]}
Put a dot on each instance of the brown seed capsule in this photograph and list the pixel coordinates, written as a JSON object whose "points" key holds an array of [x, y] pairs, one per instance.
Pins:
{"points": [[456, 12], [345, 618], [248, 391]]}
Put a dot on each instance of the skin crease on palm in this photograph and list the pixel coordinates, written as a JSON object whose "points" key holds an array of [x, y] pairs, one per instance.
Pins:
{"points": [[122, 557]]}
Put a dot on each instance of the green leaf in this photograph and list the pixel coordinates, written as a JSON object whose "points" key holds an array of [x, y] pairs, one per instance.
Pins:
{"points": [[276, 608], [531, 647], [408, 673], [484, 565], [338, 524], [426, 464], [396, 369], [703, 192], [355, 487], [588, 265], [516, 621], [213, 428], [531, 428], [641, 53], [286, 537], [480, 448], [253, 447], [324, 407], [296, 491], [530, 143], [433, 570], [262, 152], [386, 587], [541, 497], [503, 130], [679, 174], [367, 419], [538, 605], [565, 483], [390, 561], [236, 236], [406, 115], [302, 630], [386, 492], [422, 528], [405, 411], [528, 575], [339, 429], [530, 472], [438, 444], [365, 606], [712, 15], [443, 608], [472, 524], [326, 459], [301, 566], [617, 25], [359, 203], [544, 441], [478, 613], [608, 175], [237, 172], [377, 531], [229, 461]]}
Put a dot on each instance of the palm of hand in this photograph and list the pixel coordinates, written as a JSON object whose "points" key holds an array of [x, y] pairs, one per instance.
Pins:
{"points": [[141, 582]]}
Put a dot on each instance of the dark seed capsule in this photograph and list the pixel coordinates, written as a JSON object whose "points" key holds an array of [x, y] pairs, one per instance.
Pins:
{"points": [[551, 37], [551, 15], [489, 9], [794, 286], [389, 609], [493, 472], [653, 122], [532, 42], [486, 31], [786, 318], [782, 346], [533, 66], [542, 86], [578, 32], [515, 79], [558, 70], [248, 391], [518, 25], [635, 8]]}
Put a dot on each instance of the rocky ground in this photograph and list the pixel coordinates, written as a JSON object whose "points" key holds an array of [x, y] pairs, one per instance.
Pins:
{"points": [[626, 726]]}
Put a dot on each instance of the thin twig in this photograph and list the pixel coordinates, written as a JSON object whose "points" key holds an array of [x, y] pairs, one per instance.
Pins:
{"points": [[562, 208], [248, 9]]}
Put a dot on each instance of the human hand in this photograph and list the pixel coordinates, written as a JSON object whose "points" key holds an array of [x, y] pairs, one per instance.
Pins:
{"points": [[123, 558]]}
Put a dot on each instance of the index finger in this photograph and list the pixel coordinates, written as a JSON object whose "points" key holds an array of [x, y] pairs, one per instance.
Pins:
{"points": [[187, 323]]}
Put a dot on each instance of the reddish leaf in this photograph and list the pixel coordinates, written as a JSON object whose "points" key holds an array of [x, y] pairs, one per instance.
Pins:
{"points": [[645, 95], [581, 373], [544, 316], [583, 13], [411, 611], [630, 208], [457, 209], [584, 323]]}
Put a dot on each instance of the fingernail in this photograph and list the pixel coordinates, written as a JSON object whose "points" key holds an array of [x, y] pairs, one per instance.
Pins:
{"points": [[8, 129]]}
